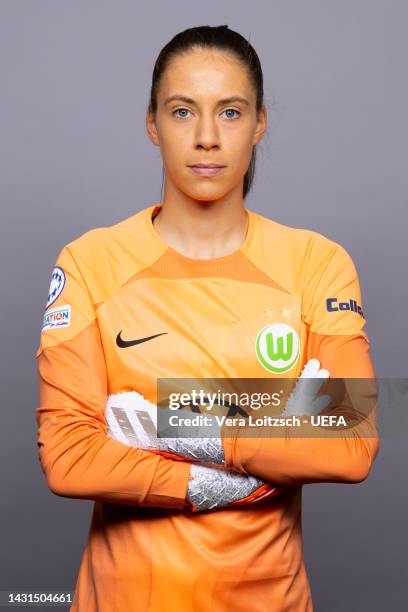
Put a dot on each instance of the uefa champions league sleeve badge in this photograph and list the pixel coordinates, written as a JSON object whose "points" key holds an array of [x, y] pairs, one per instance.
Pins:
{"points": [[57, 284]]}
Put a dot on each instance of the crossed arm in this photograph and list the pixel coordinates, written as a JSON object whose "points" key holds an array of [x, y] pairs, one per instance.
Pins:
{"points": [[299, 460], [80, 460], [132, 420], [288, 459]]}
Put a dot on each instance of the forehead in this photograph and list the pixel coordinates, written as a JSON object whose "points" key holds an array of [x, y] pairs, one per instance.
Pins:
{"points": [[206, 73]]}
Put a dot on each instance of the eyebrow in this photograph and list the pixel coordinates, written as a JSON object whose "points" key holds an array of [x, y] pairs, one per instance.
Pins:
{"points": [[187, 100]]}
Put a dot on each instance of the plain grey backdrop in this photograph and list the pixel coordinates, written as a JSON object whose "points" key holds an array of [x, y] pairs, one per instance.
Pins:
{"points": [[75, 80]]}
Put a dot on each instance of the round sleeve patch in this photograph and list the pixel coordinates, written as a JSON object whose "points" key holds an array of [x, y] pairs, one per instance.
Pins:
{"points": [[56, 285]]}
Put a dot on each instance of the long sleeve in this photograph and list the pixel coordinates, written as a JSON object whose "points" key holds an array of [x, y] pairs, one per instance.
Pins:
{"points": [[334, 319], [77, 456]]}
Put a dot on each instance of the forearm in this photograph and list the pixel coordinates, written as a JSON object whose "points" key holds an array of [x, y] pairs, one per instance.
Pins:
{"points": [[77, 456], [93, 466], [290, 459]]}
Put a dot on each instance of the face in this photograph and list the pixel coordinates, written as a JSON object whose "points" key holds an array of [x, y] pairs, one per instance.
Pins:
{"points": [[206, 114]]}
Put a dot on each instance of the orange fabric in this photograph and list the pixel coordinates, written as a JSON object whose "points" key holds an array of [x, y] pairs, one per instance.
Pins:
{"points": [[306, 459], [146, 550]]}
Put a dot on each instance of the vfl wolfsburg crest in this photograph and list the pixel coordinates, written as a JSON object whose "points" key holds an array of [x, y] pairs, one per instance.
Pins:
{"points": [[278, 347]]}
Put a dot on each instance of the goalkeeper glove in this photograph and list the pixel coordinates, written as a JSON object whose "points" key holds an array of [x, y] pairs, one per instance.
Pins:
{"points": [[303, 400], [211, 488], [132, 420]]}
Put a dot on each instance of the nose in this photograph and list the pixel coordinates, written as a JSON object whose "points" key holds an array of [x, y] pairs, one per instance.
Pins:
{"points": [[207, 133]]}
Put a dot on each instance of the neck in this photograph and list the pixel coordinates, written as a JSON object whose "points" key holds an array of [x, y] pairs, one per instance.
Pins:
{"points": [[202, 229]]}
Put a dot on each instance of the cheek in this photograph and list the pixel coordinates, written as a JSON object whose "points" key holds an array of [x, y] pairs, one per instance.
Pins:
{"points": [[239, 143], [241, 153], [172, 139], [172, 150], [177, 143]]}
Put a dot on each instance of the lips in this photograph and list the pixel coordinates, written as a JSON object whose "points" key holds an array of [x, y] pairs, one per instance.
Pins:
{"points": [[206, 169], [204, 165]]}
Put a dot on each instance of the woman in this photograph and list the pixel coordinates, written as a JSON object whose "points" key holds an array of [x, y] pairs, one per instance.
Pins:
{"points": [[188, 288]]}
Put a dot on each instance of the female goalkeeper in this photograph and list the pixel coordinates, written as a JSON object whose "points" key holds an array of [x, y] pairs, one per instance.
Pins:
{"points": [[196, 286]]}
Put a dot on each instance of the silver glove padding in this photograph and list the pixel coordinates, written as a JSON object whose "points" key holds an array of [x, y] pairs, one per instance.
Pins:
{"points": [[204, 450], [192, 441], [303, 400], [212, 488]]}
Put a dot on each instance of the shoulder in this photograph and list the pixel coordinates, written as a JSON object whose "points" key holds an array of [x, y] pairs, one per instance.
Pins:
{"points": [[105, 258], [296, 257], [98, 245], [90, 245], [307, 240]]}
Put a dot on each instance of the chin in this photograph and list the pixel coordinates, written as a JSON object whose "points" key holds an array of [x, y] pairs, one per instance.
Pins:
{"points": [[209, 194]]}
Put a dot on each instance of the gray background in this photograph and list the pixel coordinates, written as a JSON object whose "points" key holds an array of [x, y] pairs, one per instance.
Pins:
{"points": [[75, 79]]}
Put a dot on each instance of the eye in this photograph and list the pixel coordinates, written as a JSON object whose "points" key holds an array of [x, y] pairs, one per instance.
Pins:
{"points": [[180, 109], [182, 113], [233, 110]]}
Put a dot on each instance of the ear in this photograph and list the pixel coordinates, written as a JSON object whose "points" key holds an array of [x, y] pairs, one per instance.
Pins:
{"points": [[151, 128], [261, 124]]}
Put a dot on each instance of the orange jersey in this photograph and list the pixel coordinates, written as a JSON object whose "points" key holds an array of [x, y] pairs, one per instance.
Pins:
{"points": [[146, 551]]}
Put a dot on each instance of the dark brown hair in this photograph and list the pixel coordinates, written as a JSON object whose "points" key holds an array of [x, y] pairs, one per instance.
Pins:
{"points": [[213, 37]]}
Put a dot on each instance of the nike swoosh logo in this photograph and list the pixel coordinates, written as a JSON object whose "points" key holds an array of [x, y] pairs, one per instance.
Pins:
{"points": [[125, 343]]}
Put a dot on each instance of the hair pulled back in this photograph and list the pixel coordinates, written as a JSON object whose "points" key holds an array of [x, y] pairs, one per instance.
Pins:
{"points": [[213, 37]]}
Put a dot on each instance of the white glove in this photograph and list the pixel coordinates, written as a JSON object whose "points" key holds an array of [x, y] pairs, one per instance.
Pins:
{"points": [[303, 400], [212, 488], [133, 420]]}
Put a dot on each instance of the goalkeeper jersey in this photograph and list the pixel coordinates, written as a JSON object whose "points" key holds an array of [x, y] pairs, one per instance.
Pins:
{"points": [[124, 309]]}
